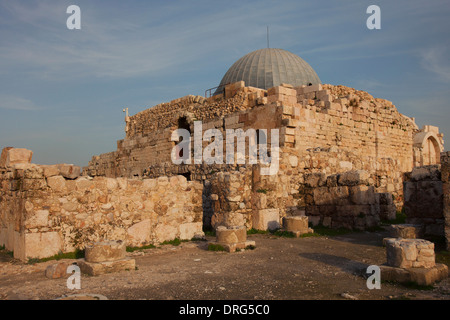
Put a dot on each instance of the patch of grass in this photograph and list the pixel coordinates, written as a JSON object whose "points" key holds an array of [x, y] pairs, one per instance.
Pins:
{"points": [[286, 234], [255, 231], [250, 247], [326, 231], [77, 254], [132, 249], [215, 247], [262, 191], [400, 218], [174, 242], [211, 233]]}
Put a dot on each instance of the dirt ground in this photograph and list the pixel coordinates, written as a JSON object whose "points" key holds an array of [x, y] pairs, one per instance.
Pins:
{"points": [[279, 268]]}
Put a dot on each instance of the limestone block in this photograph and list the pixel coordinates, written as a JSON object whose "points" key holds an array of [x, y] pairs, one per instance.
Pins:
{"points": [[98, 268], [139, 233], [50, 170], [266, 219], [313, 180], [11, 156], [353, 178], [297, 224], [69, 171], [57, 270], [362, 194], [191, 230], [404, 253], [164, 232], [421, 276], [406, 231], [105, 251], [39, 245], [39, 218], [57, 183], [431, 172]]}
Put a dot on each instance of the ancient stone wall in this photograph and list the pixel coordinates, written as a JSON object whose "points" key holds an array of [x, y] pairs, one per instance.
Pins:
{"points": [[44, 213], [423, 205], [345, 200], [445, 176], [328, 129]]}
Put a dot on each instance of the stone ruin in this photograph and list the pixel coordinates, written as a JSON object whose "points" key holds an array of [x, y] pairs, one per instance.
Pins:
{"points": [[347, 159]]}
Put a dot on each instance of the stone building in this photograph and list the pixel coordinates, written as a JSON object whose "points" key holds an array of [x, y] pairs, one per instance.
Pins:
{"points": [[323, 128], [342, 155]]}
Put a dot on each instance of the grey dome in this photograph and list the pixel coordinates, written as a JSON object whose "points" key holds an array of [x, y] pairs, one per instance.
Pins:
{"points": [[267, 68]]}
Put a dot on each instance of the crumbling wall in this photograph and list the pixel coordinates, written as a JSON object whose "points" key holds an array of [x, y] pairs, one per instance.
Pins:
{"points": [[345, 200], [445, 176], [423, 189], [44, 213]]}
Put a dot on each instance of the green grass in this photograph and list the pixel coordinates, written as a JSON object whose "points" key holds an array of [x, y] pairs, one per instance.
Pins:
{"points": [[78, 254], [215, 247], [400, 218], [262, 191], [174, 242], [321, 230], [255, 231], [132, 249]]}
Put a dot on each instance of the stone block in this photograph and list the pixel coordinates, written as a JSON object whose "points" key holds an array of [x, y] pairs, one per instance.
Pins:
{"points": [[354, 178], [139, 233], [50, 170], [405, 253], [191, 230], [421, 276], [11, 156], [105, 251], [57, 270], [69, 171], [57, 183], [38, 245], [314, 180], [98, 268], [362, 194], [297, 225], [431, 172], [406, 231], [266, 219], [38, 218]]}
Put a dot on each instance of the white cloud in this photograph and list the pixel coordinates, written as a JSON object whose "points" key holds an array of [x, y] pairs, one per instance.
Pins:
{"points": [[437, 60], [17, 103]]}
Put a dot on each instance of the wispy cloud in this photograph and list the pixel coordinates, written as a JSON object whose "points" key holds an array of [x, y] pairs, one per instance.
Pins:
{"points": [[17, 103], [437, 61]]}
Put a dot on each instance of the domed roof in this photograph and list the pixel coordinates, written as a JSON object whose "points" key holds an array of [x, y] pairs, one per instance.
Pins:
{"points": [[270, 67]]}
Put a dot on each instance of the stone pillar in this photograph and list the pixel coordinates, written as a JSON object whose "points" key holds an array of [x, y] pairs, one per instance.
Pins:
{"points": [[232, 238]]}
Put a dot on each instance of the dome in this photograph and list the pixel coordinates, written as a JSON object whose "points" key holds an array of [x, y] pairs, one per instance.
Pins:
{"points": [[270, 67]]}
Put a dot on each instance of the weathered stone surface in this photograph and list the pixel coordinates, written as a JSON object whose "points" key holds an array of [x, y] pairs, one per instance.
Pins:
{"points": [[69, 171], [421, 276], [191, 230], [407, 231], [38, 218], [266, 219], [105, 251], [57, 270], [139, 233], [50, 170], [11, 156], [98, 268], [353, 178], [39, 245], [409, 253], [57, 183]]}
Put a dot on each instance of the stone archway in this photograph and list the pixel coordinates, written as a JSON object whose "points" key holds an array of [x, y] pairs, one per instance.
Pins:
{"points": [[429, 146]]}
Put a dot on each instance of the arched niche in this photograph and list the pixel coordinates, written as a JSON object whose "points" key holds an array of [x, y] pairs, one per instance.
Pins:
{"points": [[430, 148]]}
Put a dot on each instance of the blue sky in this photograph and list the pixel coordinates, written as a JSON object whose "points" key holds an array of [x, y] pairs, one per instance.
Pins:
{"points": [[62, 91]]}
